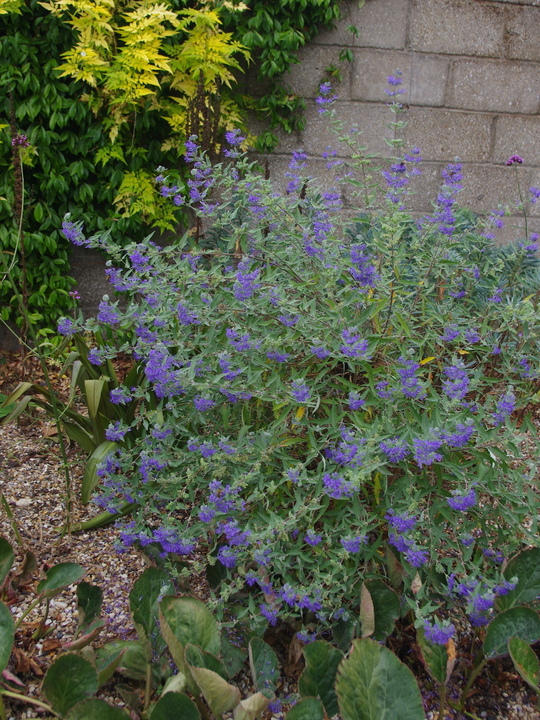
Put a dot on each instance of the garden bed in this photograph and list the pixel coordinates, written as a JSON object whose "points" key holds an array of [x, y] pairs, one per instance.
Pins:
{"points": [[32, 481]]}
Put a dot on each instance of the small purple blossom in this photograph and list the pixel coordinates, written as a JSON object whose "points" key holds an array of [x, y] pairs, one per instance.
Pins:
{"points": [[202, 404], [337, 487], [462, 503], [319, 352], [395, 449], [107, 313], [505, 407], [227, 556], [115, 433], [425, 451], [300, 391], [288, 320], [450, 333], [119, 396], [312, 538], [353, 544], [186, 316], [277, 356], [354, 401], [401, 522], [437, 633], [514, 160], [66, 326]]}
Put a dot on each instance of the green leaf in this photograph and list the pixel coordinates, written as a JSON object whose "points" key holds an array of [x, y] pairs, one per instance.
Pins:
{"points": [[263, 664], [319, 676], [90, 478], [434, 656], [343, 632], [217, 692], [521, 622], [7, 635], [173, 706], [106, 664], [386, 607], [251, 708], [373, 684], [69, 680], [7, 556], [233, 657], [525, 662], [59, 577], [526, 567], [89, 601], [133, 658], [94, 391], [306, 709], [196, 657], [187, 621], [95, 708], [144, 599]]}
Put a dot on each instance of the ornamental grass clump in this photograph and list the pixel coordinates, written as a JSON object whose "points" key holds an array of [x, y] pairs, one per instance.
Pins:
{"points": [[325, 403]]}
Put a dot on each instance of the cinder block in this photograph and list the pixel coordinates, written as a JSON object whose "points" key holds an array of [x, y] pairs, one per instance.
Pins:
{"points": [[520, 2], [424, 76], [457, 27], [494, 85], [514, 229], [486, 187], [522, 37], [380, 24], [370, 119], [446, 134], [517, 136], [305, 78]]}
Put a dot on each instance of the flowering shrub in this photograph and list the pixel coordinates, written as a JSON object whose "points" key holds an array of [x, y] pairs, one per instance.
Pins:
{"points": [[325, 403]]}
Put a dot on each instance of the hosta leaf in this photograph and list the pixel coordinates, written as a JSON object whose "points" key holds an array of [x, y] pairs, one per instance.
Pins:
{"points": [[7, 635], [521, 622], [144, 599], [175, 706], [7, 556], [367, 612], [526, 567], [191, 622], [386, 607], [372, 684], [306, 709], [434, 656], [263, 663], [217, 692], [59, 577], [89, 601], [319, 676], [525, 661], [95, 708], [199, 658], [251, 708], [69, 680]]}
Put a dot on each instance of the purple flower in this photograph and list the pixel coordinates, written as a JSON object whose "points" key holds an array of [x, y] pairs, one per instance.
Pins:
{"points": [[410, 385], [460, 437], [107, 313], [462, 503], [355, 401], [325, 100], [349, 451], [241, 342], [114, 433], [19, 140], [337, 487], [300, 391], [227, 556], [457, 385], [354, 346], [172, 543], [505, 407], [382, 392], [246, 282], [234, 137], [277, 356], [450, 333], [417, 558], [363, 270], [270, 613], [312, 538], [206, 514], [352, 544], [400, 522], [186, 316], [202, 404], [288, 320], [514, 160], [74, 233], [159, 434], [395, 449], [319, 352], [66, 326], [425, 451], [471, 336], [504, 587], [227, 369], [438, 634], [395, 81], [119, 396], [535, 194]]}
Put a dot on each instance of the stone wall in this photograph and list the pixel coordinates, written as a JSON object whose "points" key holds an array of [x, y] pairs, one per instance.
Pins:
{"points": [[472, 70], [472, 73]]}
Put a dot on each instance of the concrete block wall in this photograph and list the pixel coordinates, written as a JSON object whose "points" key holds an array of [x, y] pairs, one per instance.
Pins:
{"points": [[471, 69]]}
